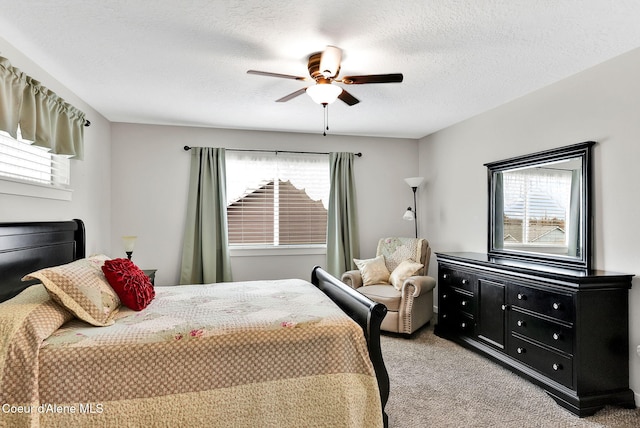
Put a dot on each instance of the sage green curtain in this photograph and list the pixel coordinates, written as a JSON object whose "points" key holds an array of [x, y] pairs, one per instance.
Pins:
{"points": [[205, 252], [342, 222], [43, 117], [498, 212], [574, 232]]}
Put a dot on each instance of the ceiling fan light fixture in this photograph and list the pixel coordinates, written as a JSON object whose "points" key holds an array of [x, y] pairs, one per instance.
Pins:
{"points": [[324, 68], [324, 93]]}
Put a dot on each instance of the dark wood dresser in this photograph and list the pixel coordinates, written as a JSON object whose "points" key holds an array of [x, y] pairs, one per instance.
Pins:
{"points": [[566, 330]]}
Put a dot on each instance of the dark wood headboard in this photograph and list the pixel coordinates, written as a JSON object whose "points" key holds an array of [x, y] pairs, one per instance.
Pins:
{"points": [[27, 247]]}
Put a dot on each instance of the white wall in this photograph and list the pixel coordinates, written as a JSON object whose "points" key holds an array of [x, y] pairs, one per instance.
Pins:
{"points": [[90, 178], [600, 104], [150, 186]]}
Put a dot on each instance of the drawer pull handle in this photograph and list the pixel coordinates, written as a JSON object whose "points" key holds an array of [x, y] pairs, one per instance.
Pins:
{"points": [[444, 316], [557, 367], [445, 276], [463, 325], [505, 307], [444, 296], [521, 350], [556, 336], [463, 303], [520, 323], [465, 281], [521, 296], [556, 306]]}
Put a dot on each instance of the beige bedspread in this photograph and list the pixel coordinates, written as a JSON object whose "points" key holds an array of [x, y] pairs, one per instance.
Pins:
{"points": [[267, 353]]}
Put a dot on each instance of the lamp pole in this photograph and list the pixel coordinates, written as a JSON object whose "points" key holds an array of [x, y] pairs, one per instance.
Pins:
{"points": [[415, 213]]}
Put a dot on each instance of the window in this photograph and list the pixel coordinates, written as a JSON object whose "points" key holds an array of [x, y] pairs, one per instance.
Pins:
{"points": [[536, 207], [22, 162], [277, 199]]}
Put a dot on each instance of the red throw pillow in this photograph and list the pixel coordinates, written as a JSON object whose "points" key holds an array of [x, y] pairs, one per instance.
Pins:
{"points": [[132, 286]]}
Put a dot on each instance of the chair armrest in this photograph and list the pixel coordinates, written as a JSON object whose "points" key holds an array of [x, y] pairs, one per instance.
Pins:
{"points": [[352, 278], [421, 284]]}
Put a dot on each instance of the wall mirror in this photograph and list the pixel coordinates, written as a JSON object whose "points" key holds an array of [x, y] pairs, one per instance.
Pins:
{"points": [[540, 207]]}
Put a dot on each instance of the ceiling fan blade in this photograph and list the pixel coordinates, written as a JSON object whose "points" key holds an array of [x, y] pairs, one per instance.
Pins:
{"points": [[292, 95], [373, 78], [330, 61], [283, 76], [348, 98]]}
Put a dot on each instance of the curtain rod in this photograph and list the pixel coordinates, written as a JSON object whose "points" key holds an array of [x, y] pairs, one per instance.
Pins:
{"points": [[187, 148]]}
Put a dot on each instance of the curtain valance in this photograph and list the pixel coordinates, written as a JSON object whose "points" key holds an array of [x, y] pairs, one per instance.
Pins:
{"points": [[43, 117]]}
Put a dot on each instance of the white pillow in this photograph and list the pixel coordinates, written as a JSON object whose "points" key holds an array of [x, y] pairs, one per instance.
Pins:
{"points": [[404, 270], [373, 271]]}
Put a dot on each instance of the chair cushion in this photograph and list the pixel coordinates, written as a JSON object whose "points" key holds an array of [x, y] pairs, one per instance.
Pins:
{"points": [[404, 270], [373, 271], [385, 294]]}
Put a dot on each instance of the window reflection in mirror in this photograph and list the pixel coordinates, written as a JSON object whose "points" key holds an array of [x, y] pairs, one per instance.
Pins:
{"points": [[540, 208]]}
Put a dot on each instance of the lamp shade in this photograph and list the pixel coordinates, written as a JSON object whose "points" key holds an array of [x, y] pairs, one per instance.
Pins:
{"points": [[324, 93], [129, 242], [408, 215], [414, 181]]}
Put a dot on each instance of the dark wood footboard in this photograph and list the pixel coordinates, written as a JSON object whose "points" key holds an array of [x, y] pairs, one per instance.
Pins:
{"points": [[368, 314]]}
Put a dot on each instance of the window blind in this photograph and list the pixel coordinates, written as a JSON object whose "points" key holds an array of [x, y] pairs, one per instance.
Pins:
{"points": [[22, 161], [277, 199]]}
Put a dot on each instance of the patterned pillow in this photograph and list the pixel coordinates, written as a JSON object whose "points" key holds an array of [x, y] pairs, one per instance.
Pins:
{"points": [[81, 287], [130, 283], [404, 270], [373, 271]]}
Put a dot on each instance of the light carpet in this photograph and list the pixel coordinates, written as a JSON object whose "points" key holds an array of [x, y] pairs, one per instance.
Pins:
{"points": [[436, 383]]}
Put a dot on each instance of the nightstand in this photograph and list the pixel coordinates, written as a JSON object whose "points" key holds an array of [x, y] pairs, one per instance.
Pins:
{"points": [[151, 273]]}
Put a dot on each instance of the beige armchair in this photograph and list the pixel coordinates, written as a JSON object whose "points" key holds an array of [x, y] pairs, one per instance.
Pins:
{"points": [[397, 278]]}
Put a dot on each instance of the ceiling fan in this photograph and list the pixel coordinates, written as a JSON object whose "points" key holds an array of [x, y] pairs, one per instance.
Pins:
{"points": [[323, 70]]}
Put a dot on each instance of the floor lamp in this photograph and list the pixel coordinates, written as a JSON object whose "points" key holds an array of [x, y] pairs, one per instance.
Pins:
{"points": [[414, 183]]}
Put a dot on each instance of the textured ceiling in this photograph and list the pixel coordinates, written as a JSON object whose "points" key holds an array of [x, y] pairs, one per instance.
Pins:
{"points": [[185, 62]]}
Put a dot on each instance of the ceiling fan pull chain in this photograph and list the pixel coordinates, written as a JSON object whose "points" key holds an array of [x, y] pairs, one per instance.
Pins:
{"points": [[326, 120]]}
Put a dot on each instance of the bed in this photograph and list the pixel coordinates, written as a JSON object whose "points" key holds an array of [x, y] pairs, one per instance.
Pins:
{"points": [[259, 353]]}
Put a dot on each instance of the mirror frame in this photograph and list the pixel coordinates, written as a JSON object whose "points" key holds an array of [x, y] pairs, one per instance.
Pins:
{"points": [[582, 151]]}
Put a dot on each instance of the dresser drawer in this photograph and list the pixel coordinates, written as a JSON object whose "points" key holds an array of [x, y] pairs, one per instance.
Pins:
{"points": [[552, 364], [459, 323], [550, 333], [457, 279], [552, 304], [458, 300]]}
